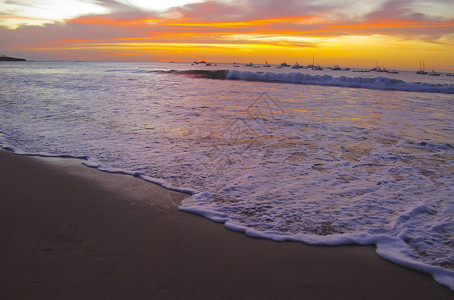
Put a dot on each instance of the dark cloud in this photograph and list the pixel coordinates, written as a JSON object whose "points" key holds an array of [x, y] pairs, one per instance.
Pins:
{"points": [[393, 9], [115, 6], [254, 9], [407, 10], [210, 10]]}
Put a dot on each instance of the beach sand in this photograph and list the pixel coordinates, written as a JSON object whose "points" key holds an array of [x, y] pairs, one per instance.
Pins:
{"points": [[72, 232]]}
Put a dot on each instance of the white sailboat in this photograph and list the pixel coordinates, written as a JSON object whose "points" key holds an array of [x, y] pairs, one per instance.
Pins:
{"points": [[422, 70]]}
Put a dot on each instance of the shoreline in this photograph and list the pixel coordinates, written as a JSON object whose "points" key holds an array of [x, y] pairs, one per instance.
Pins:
{"points": [[68, 231]]}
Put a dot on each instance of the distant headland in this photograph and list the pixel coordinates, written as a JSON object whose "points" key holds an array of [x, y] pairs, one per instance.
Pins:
{"points": [[8, 58]]}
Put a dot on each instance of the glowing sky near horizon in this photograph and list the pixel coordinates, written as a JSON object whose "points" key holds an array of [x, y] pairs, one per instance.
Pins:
{"points": [[398, 33]]}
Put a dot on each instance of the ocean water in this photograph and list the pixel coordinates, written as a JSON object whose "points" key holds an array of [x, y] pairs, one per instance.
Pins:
{"points": [[322, 157]]}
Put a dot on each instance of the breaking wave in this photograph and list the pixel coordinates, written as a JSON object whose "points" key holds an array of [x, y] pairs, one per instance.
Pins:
{"points": [[375, 83]]}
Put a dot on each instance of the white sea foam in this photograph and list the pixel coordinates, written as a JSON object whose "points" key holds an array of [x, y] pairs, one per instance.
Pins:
{"points": [[376, 83], [318, 164]]}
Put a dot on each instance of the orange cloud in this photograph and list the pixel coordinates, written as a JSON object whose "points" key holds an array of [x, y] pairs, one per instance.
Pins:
{"points": [[241, 24], [393, 24]]}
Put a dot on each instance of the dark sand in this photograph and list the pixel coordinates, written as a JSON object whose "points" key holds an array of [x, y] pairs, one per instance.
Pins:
{"points": [[71, 232]]}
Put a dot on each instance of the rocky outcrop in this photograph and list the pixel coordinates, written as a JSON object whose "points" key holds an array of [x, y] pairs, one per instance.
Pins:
{"points": [[8, 58]]}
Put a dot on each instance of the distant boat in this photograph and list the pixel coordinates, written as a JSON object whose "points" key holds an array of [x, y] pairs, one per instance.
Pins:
{"points": [[313, 66], [433, 73], [421, 70], [249, 64], [284, 64], [378, 68], [296, 66], [384, 70], [266, 65], [337, 68], [236, 66]]}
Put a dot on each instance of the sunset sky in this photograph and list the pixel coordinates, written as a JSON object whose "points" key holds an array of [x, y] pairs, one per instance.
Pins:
{"points": [[356, 33]]}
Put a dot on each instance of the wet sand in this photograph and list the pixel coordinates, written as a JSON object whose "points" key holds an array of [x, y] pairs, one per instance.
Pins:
{"points": [[71, 232]]}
